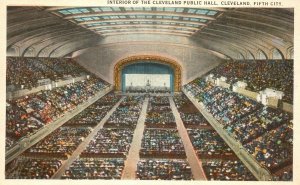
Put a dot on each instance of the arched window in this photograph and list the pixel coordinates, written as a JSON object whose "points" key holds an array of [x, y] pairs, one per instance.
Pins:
{"points": [[276, 54], [12, 51], [261, 55], [240, 56], [250, 56], [29, 52], [290, 53]]}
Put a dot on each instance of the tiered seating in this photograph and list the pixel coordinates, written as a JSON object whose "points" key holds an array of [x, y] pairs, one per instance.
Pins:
{"points": [[95, 168], [162, 143], [109, 143], [92, 115], [274, 149], [26, 115], [227, 170], [189, 114], [226, 106], [32, 168], [260, 75], [19, 124], [266, 133], [258, 123], [209, 145], [163, 169], [60, 143], [27, 71], [127, 114], [159, 113]]}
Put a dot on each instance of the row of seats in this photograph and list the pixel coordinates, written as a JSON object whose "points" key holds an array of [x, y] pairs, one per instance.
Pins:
{"points": [[260, 75], [26, 72], [163, 169], [162, 143], [32, 168], [62, 141], [159, 113], [274, 149], [95, 168], [127, 114], [258, 123], [226, 106], [189, 114], [92, 115], [226, 170], [109, 142], [208, 144]]}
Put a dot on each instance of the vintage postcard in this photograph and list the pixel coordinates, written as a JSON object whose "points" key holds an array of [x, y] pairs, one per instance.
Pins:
{"points": [[149, 91]]}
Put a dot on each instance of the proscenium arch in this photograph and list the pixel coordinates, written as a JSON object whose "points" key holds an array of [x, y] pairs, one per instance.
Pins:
{"points": [[147, 58]]}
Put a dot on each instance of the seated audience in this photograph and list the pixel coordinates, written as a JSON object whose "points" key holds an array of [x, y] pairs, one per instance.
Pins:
{"points": [[273, 149], [127, 114], [95, 168], [60, 143], [163, 169], [162, 143], [190, 115], [32, 168], [208, 144], [28, 114], [260, 75], [227, 170], [109, 142]]}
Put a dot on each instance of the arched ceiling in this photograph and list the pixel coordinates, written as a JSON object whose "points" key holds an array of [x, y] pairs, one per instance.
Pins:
{"points": [[233, 32]]}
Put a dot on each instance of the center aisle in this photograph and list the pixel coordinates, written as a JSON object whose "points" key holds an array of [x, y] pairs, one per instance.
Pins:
{"points": [[195, 163], [130, 168], [84, 144]]}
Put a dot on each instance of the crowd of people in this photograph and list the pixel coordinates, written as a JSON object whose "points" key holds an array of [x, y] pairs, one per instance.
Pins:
{"points": [[264, 132], [260, 75], [93, 114], [32, 168], [226, 106], [109, 142], [274, 149], [159, 113], [162, 143], [60, 143], [95, 168], [26, 72], [127, 114], [163, 169], [258, 123], [189, 114], [208, 144], [226, 170], [27, 114]]}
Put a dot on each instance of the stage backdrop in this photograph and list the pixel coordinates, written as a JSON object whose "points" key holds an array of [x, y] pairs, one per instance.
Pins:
{"points": [[138, 74]]}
